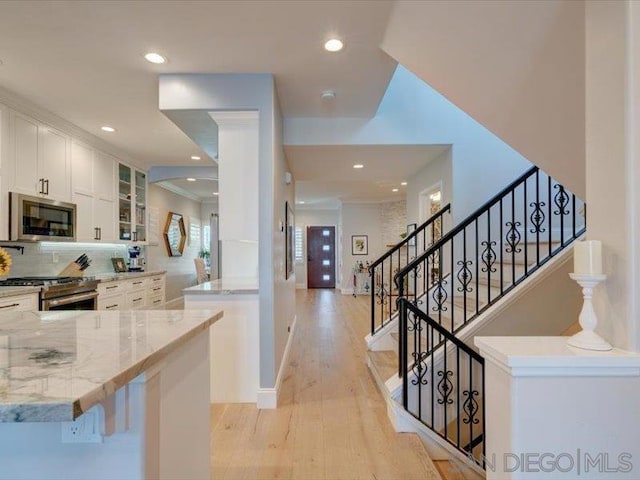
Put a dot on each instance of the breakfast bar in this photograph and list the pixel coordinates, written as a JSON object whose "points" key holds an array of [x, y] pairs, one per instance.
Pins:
{"points": [[104, 395]]}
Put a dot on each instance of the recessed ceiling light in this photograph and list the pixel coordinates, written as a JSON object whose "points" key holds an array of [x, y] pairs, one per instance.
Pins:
{"points": [[328, 95], [358, 165], [107, 128], [403, 183], [195, 157], [301, 202], [155, 58], [216, 193], [191, 179], [394, 190], [333, 45]]}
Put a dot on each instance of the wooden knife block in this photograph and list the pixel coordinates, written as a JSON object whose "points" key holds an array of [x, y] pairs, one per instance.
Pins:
{"points": [[71, 270]]}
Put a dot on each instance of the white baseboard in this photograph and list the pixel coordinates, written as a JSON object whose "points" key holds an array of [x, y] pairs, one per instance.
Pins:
{"points": [[173, 303], [301, 286], [346, 291], [268, 397]]}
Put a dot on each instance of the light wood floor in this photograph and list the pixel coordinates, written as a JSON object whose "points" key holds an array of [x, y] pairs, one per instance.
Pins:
{"points": [[331, 422]]}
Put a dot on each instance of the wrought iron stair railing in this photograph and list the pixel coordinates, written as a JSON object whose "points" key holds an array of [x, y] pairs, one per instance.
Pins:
{"points": [[382, 271], [474, 265], [448, 380]]}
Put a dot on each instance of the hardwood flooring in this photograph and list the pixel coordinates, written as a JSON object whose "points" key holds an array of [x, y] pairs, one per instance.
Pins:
{"points": [[331, 422]]}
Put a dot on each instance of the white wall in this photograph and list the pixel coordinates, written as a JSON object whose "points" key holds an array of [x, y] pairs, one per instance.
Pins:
{"points": [[317, 218], [181, 272], [437, 171], [515, 66], [413, 113]]}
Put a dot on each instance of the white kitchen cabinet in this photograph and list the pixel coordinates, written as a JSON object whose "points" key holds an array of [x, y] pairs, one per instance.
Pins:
{"points": [[4, 149], [93, 193], [39, 158], [19, 303], [141, 292]]}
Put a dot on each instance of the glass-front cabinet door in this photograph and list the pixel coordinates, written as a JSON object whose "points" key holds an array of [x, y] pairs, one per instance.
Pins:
{"points": [[140, 234], [124, 202], [132, 198]]}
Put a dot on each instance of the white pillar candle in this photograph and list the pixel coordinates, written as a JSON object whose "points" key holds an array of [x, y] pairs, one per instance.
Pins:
{"points": [[587, 257]]}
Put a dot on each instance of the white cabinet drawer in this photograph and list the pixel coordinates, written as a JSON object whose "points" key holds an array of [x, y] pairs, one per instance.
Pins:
{"points": [[19, 303], [136, 299], [110, 288], [155, 301], [155, 290], [113, 302], [137, 284], [157, 280]]}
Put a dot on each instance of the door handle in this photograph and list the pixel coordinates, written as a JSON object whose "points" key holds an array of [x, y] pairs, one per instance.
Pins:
{"points": [[308, 258]]}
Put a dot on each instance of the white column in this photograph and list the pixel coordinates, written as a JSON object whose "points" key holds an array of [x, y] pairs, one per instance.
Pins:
{"points": [[613, 162], [238, 199]]}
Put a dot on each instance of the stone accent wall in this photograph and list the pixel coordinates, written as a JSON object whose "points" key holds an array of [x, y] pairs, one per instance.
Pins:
{"points": [[393, 219]]}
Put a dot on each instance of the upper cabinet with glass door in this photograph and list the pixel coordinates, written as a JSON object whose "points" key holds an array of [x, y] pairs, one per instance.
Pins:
{"points": [[132, 198]]}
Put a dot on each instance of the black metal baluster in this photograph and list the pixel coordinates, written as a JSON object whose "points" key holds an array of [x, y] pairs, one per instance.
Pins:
{"points": [[444, 387], [471, 389], [464, 280], [382, 295], [372, 274], [561, 211], [484, 425], [501, 251], [475, 260], [538, 224], [573, 215], [433, 395], [488, 263], [418, 357], [513, 248], [524, 221], [453, 281], [550, 217], [458, 394], [392, 305]]}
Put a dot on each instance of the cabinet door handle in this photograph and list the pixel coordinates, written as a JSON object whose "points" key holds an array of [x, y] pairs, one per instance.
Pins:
{"points": [[110, 306], [109, 288], [95, 233], [99, 233], [41, 182], [9, 306], [137, 283], [135, 236], [46, 182], [137, 299]]}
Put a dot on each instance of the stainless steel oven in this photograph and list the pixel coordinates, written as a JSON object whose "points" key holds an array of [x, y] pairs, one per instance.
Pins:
{"points": [[81, 294], [41, 219]]}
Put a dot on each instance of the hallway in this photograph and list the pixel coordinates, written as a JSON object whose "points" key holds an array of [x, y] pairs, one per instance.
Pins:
{"points": [[331, 422]]}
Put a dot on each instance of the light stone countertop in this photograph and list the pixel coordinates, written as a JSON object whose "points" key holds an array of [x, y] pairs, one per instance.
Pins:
{"points": [[112, 277], [56, 365], [225, 286], [13, 291]]}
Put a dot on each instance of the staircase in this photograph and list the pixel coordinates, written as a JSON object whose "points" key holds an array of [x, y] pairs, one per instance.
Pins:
{"points": [[449, 290]]}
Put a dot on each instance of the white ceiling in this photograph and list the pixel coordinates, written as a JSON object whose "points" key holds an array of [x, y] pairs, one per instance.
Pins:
{"points": [[202, 188], [84, 60], [325, 175]]}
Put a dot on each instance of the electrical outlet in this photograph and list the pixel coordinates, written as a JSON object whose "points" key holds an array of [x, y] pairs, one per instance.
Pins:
{"points": [[55, 257], [84, 429]]}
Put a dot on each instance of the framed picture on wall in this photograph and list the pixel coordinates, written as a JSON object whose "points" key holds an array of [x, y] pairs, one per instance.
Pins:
{"points": [[359, 245], [289, 231]]}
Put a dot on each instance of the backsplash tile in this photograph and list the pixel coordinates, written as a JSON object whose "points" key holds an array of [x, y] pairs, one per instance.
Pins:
{"points": [[38, 258]]}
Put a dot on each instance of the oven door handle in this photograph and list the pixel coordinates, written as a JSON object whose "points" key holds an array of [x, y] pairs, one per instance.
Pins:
{"points": [[56, 302]]}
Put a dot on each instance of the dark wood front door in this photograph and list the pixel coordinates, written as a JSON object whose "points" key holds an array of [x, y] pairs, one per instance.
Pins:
{"points": [[321, 257]]}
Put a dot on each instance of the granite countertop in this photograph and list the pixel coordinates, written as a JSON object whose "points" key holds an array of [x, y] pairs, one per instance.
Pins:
{"points": [[225, 286], [56, 365], [112, 277], [13, 291]]}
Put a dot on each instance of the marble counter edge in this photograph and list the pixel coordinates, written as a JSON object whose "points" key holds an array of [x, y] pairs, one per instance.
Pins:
{"points": [[115, 277], [65, 411]]}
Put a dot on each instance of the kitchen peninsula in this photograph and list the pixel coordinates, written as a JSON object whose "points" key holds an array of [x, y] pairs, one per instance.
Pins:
{"points": [[137, 384]]}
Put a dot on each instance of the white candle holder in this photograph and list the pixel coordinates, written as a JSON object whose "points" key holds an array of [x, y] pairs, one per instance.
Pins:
{"points": [[587, 339]]}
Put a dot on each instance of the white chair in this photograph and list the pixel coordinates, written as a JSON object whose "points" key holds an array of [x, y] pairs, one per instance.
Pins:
{"points": [[201, 271]]}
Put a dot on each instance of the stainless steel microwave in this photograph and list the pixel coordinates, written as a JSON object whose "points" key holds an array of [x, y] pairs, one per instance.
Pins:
{"points": [[34, 219]]}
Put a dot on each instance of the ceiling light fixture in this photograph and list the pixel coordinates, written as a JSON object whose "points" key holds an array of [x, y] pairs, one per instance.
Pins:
{"points": [[328, 95], [358, 165], [404, 184], [333, 45], [216, 193], [301, 202], [195, 157], [107, 128], [155, 58], [191, 179], [394, 190]]}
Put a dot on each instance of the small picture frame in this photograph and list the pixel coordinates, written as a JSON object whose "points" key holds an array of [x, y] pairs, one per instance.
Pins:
{"points": [[410, 229], [359, 245], [118, 265]]}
